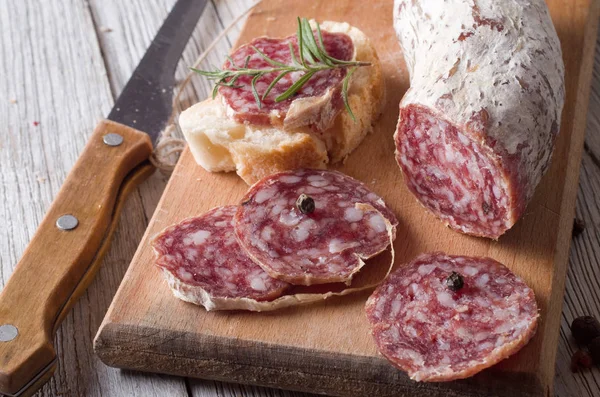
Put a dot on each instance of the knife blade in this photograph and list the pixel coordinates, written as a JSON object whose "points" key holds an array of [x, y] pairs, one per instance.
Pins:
{"points": [[70, 242], [149, 91]]}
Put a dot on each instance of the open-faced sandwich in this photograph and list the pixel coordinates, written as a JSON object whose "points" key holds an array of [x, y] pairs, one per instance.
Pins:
{"points": [[302, 101]]}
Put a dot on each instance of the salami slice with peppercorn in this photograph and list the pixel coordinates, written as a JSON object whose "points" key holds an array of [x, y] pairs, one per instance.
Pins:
{"points": [[312, 226], [205, 265], [444, 317]]}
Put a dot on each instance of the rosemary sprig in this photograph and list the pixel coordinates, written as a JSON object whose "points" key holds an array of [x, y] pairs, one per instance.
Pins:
{"points": [[313, 57]]}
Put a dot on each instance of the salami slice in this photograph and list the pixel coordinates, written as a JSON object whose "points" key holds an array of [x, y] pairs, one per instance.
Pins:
{"points": [[318, 102], [438, 331], [326, 245], [477, 127], [205, 265]]}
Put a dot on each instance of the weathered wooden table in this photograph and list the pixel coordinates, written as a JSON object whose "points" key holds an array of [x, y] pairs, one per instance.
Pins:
{"points": [[62, 64]]}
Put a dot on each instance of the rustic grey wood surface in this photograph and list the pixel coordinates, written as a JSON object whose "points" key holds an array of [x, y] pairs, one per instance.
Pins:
{"points": [[62, 64]]}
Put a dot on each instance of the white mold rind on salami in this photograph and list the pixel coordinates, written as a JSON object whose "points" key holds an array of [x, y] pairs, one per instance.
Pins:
{"points": [[204, 264], [436, 334], [477, 127], [199, 296], [326, 246]]}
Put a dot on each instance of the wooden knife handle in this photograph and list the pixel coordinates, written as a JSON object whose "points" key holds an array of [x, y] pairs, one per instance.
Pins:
{"points": [[56, 263]]}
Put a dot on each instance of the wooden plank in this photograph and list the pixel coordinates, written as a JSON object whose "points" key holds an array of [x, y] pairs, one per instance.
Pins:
{"points": [[63, 88], [336, 354], [210, 388], [578, 40], [125, 29], [583, 282]]}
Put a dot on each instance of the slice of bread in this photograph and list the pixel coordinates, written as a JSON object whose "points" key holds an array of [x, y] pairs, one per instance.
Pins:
{"points": [[219, 143]]}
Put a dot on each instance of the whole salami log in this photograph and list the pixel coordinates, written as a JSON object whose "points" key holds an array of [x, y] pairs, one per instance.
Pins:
{"points": [[311, 226], [443, 317], [204, 264], [477, 127]]}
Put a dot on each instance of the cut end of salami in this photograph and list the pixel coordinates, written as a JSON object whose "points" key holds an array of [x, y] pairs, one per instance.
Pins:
{"points": [[316, 104], [205, 265], [325, 245], [436, 334], [457, 178], [478, 124]]}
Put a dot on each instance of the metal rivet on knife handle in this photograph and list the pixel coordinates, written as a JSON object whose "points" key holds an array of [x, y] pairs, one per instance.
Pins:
{"points": [[67, 222], [8, 332], [113, 139]]}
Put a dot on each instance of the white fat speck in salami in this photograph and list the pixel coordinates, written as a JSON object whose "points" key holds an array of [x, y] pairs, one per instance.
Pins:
{"points": [[476, 129], [437, 334], [204, 263], [324, 246]]}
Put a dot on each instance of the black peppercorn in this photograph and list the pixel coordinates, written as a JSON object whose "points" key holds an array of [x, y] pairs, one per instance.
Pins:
{"points": [[305, 204], [486, 208], [580, 359], [455, 281], [595, 350], [584, 329], [578, 227]]}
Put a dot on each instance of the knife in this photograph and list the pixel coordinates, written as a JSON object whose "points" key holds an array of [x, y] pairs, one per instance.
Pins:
{"points": [[68, 246]]}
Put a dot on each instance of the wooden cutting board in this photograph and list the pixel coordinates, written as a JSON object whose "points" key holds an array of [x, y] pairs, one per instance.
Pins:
{"points": [[326, 347]]}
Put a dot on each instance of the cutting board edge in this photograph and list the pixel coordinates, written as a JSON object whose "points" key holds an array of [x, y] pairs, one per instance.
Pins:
{"points": [[560, 256], [125, 346], [570, 190]]}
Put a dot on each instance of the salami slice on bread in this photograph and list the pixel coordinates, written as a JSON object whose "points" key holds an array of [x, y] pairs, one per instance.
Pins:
{"points": [[309, 130]]}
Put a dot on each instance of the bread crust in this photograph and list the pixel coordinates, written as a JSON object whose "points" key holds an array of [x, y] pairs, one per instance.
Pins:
{"points": [[254, 162], [366, 96], [220, 144]]}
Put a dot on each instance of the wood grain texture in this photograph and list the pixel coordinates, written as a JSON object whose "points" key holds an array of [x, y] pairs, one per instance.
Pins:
{"points": [[582, 294], [335, 354], [67, 89], [64, 257], [45, 121], [63, 88]]}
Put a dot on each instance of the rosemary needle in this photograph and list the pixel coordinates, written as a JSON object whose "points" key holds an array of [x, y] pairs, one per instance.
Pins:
{"points": [[312, 58]]}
